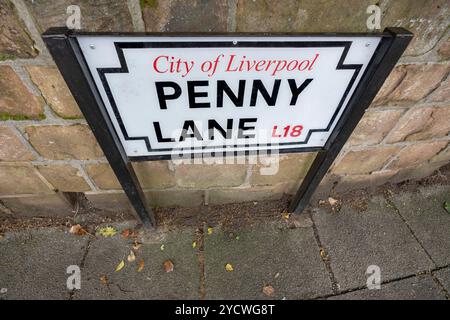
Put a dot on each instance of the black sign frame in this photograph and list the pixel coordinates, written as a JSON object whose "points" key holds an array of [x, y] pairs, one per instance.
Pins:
{"points": [[64, 48]]}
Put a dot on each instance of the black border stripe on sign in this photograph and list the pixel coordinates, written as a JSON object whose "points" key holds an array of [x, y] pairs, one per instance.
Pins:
{"points": [[224, 44]]}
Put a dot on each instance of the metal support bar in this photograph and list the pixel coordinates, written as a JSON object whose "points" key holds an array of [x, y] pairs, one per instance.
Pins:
{"points": [[386, 56], [68, 58]]}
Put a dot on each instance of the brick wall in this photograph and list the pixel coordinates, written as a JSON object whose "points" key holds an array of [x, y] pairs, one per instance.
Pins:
{"points": [[46, 147]]}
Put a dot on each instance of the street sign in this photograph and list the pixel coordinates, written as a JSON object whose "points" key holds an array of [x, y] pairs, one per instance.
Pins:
{"points": [[159, 96], [184, 95]]}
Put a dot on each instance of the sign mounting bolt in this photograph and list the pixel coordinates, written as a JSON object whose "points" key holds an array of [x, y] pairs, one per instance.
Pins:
{"points": [[92, 46]]}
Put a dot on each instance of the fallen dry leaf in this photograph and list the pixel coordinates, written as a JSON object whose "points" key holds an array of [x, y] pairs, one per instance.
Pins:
{"points": [[136, 246], [333, 202], [194, 245], [131, 257], [125, 233], [268, 290], [134, 234], [323, 254], [107, 231], [141, 265], [78, 230], [104, 279], [168, 266], [286, 215], [210, 230], [162, 247], [120, 266], [229, 267]]}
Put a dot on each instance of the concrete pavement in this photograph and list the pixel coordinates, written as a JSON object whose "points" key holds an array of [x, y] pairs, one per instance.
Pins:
{"points": [[323, 255]]}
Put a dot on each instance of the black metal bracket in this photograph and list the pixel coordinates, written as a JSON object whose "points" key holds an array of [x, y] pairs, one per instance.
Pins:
{"points": [[68, 58], [64, 48], [389, 51]]}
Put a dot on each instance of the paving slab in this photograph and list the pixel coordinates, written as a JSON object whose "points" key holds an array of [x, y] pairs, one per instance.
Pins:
{"points": [[33, 264], [152, 282], [421, 287], [355, 240], [425, 214], [443, 276], [286, 259]]}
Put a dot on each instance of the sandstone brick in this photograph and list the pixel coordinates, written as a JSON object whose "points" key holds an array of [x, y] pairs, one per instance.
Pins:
{"points": [[291, 167], [392, 81], [442, 92], [304, 16], [114, 202], [51, 205], [12, 148], [365, 161], [416, 172], [14, 39], [353, 182], [103, 176], [416, 154], [21, 179], [427, 20], [419, 81], [55, 91], [185, 16], [422, 124], [174, 198], [444, 49], [154, 174], [236, 195], [443, 156], [374, 126], [16, 102], [201, 176], [96, 15], [64, 142], [64, 178]]}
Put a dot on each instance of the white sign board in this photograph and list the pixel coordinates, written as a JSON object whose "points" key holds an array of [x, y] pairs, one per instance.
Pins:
{"points": [[187, 95]]}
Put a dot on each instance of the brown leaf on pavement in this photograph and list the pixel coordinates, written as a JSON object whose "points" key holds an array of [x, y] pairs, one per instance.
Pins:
{"points": [[78, 230], [125, 233], [333, 202], [141, 265], [268, 290], [136, 246], [323, 255], [168, 266], [104, 279]]}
